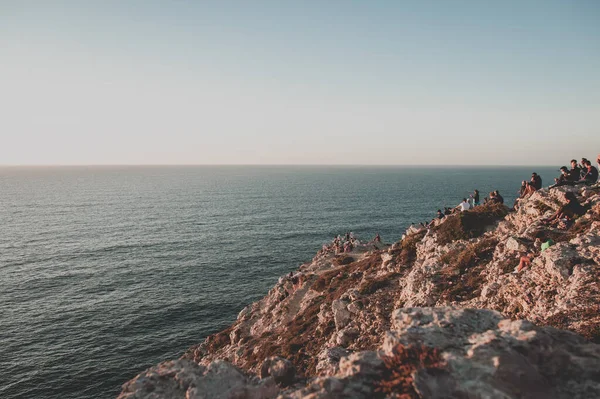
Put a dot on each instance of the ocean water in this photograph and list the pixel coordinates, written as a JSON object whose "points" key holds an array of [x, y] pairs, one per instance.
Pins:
{"points": [[106, 271]]}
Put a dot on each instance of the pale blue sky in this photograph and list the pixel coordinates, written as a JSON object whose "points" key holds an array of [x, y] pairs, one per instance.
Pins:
{"points": [[299, 82]]}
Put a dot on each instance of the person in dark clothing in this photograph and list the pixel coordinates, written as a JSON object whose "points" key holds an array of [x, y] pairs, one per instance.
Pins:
{"points": [[591, 174], [571, 209], [476, 197], [498, 198], [575, 172], [440, 215], [536, 180], [563, 179], [582, 168], [447, 211]]}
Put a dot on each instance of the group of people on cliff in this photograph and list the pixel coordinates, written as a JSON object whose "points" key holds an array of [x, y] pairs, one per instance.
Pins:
{"points": [[472, 202], [579, 174], [494, 197], [528, 188], [347, 243], [340, 244], [465, 205], [584, 173]]}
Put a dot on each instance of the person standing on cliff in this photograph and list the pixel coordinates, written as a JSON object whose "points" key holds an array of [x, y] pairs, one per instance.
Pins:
{"points": [[476, 197]]}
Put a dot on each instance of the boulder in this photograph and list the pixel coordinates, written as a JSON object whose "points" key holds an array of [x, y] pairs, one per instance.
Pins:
{"points": [[282, 370]]}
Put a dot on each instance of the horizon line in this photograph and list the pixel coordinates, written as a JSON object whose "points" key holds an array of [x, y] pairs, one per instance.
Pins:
{"points": [[265, 164]]}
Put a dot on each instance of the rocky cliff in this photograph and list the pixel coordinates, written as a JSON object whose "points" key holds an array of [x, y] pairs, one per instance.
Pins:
{"points": [[438, 314]]}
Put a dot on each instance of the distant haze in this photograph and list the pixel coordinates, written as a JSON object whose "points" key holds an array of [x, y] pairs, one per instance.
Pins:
{"points": [[299, 82]]}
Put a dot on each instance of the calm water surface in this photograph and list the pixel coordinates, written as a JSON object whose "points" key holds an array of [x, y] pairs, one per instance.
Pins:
{"points": [[105, 271]]}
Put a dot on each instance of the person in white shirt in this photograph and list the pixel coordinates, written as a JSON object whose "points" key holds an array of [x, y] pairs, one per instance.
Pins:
{"points": [[464, 205]]}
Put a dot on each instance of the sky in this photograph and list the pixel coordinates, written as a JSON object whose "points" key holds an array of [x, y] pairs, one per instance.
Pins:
{"points": [[445, 82]]}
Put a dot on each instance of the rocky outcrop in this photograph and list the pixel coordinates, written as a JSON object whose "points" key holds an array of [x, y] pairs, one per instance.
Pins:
{"points": [[410, 319], [186, 379], [429, 352]]}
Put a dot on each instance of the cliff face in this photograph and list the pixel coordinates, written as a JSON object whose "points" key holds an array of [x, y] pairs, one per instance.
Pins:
{"points": [[388, 320]]}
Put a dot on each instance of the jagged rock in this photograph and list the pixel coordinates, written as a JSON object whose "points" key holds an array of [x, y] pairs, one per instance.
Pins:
{"points": [[512, 244], [491, 358], [367, 364], [282, 370], [341, 315], [186, 379], [329, 359], [484, 356], [346, 336]]}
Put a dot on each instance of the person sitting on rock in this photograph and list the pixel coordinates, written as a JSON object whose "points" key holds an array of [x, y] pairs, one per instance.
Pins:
{"points": [[464, 205], [536, 180], [569, 211], [338, 248], [377, 238], [575, 172], [440, 214], [563, 179], [530, 189], [489, 199], [582, 168], [492, 198], [347, 246], [522, 189], [498, 198], [524, 261], [447, 211], [591, 174]]}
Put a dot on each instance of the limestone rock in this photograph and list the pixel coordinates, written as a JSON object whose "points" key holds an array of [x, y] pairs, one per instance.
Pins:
{"points": [[282, 370], [341, 315], [185, 379], [329, 359]]}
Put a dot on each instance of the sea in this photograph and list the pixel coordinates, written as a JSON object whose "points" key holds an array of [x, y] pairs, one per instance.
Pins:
{"points": [[106, 271]]}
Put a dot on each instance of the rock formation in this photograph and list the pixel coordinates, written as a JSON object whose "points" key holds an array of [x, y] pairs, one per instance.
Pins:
{"points": [[438, 314]]}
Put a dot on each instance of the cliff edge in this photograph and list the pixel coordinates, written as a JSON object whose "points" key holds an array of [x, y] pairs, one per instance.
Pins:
{"points": [[439, 314]]}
